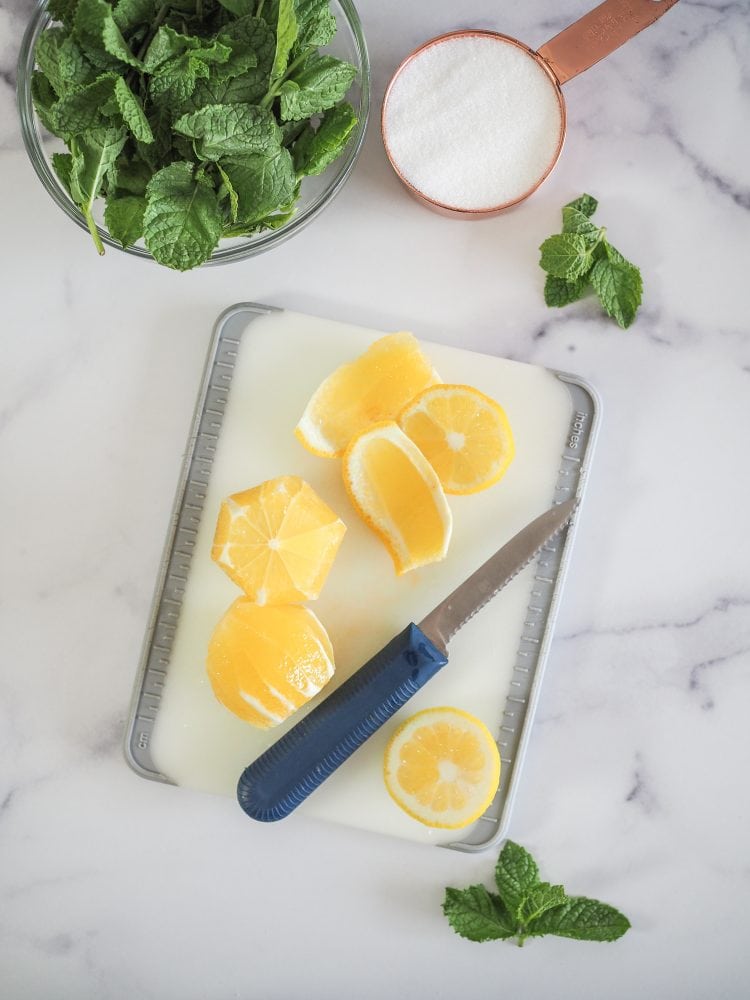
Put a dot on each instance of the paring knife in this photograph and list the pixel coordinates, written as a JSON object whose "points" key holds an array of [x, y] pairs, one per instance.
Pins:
{"points": [[293, 767]]}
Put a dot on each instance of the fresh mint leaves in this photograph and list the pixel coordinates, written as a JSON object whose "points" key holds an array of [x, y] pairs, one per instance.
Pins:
{"points": [[525, 907], [581, 258], [193, 120]]}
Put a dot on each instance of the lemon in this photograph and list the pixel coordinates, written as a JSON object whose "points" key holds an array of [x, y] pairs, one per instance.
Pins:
{"points": [[464, 435], [374, 387], [395, 490], [442, 767], [277, 541], [266, 662]]}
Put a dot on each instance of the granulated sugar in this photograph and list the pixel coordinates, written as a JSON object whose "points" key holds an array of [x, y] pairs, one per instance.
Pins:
{"points": [[472, 122]]}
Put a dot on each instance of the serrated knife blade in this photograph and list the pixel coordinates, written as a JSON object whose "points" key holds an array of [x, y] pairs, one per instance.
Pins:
{"points": [[442, 623]]}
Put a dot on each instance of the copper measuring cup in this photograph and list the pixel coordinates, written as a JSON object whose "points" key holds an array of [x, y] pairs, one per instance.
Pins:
{"points": [[573, 50]]}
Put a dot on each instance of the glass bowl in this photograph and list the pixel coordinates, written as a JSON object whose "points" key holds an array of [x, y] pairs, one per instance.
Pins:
{"points": [[316, 192]]}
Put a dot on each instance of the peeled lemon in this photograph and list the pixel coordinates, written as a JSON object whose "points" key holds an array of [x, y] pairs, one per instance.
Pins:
{"points": [[277, 541], [266, 662]]}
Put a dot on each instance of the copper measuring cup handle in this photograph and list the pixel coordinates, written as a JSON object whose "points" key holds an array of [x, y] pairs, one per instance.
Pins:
{"points": [[598, 33]]}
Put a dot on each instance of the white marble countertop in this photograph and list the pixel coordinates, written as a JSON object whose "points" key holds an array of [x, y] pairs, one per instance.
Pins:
{"points": [[636, 786]]}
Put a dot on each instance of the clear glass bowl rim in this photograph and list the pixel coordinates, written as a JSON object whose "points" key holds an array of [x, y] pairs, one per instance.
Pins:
{"points": [[235, 251]]}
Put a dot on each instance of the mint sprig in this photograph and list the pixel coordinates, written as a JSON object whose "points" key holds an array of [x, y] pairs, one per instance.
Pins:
{"points": [[580, 258], [525, 907]]}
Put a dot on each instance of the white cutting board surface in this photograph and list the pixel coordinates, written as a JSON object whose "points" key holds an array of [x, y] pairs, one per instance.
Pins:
{"points": [[281, 360]]}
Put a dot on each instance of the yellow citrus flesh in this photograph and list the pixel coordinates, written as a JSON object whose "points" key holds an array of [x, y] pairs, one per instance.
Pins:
{"points": [[442, 767], [374, 387], [464, 435], [266, 662], [277, 541], [397, 493]]}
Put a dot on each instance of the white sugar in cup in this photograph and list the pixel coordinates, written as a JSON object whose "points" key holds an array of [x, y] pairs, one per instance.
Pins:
{"points": [[473, 122]]}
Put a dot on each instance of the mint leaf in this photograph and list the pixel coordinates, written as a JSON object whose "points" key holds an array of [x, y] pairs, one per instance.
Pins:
{"points": [[109, 96], [251, 34], [321, 83], [263, 183], [178, 61], [174, 80], [566, 256], [123, 217], [561, 292], [516, 874], [316, 24], [62, 61], [286, 36], [182, 222], [229, 191], [92, 157], [315, 149], [619, 287], [574, 221], [229, 90], [583, 920], [128, 14], [99, 36], [477, 914], [168, 44], [132, 111], [63, 11], [538, 900], [44, 99], [242, 58], [229, 130], [130, 176], [62, 164], [82, 109], [585, 204]]}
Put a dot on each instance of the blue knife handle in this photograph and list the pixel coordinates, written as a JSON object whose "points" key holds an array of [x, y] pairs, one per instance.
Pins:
{"points": [[293, 767]]}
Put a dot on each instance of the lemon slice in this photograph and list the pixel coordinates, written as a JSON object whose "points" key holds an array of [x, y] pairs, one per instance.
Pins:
{"points": [[277, 541], [374, 387], [397, 493], [266, 662], [463, 434], [442, 767]]}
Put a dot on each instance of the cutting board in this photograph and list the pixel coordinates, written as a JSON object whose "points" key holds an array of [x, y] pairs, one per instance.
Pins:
{"points": [[263, 368]]}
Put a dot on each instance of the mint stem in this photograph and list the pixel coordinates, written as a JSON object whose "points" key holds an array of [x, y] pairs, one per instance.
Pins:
{"points": [[276, 87], [259, 11], [86, 209], [160, 15]]}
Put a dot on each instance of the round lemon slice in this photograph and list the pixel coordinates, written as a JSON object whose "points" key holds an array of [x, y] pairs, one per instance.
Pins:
{"points": [[463, 434], [442, 767], [397, 493]]}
